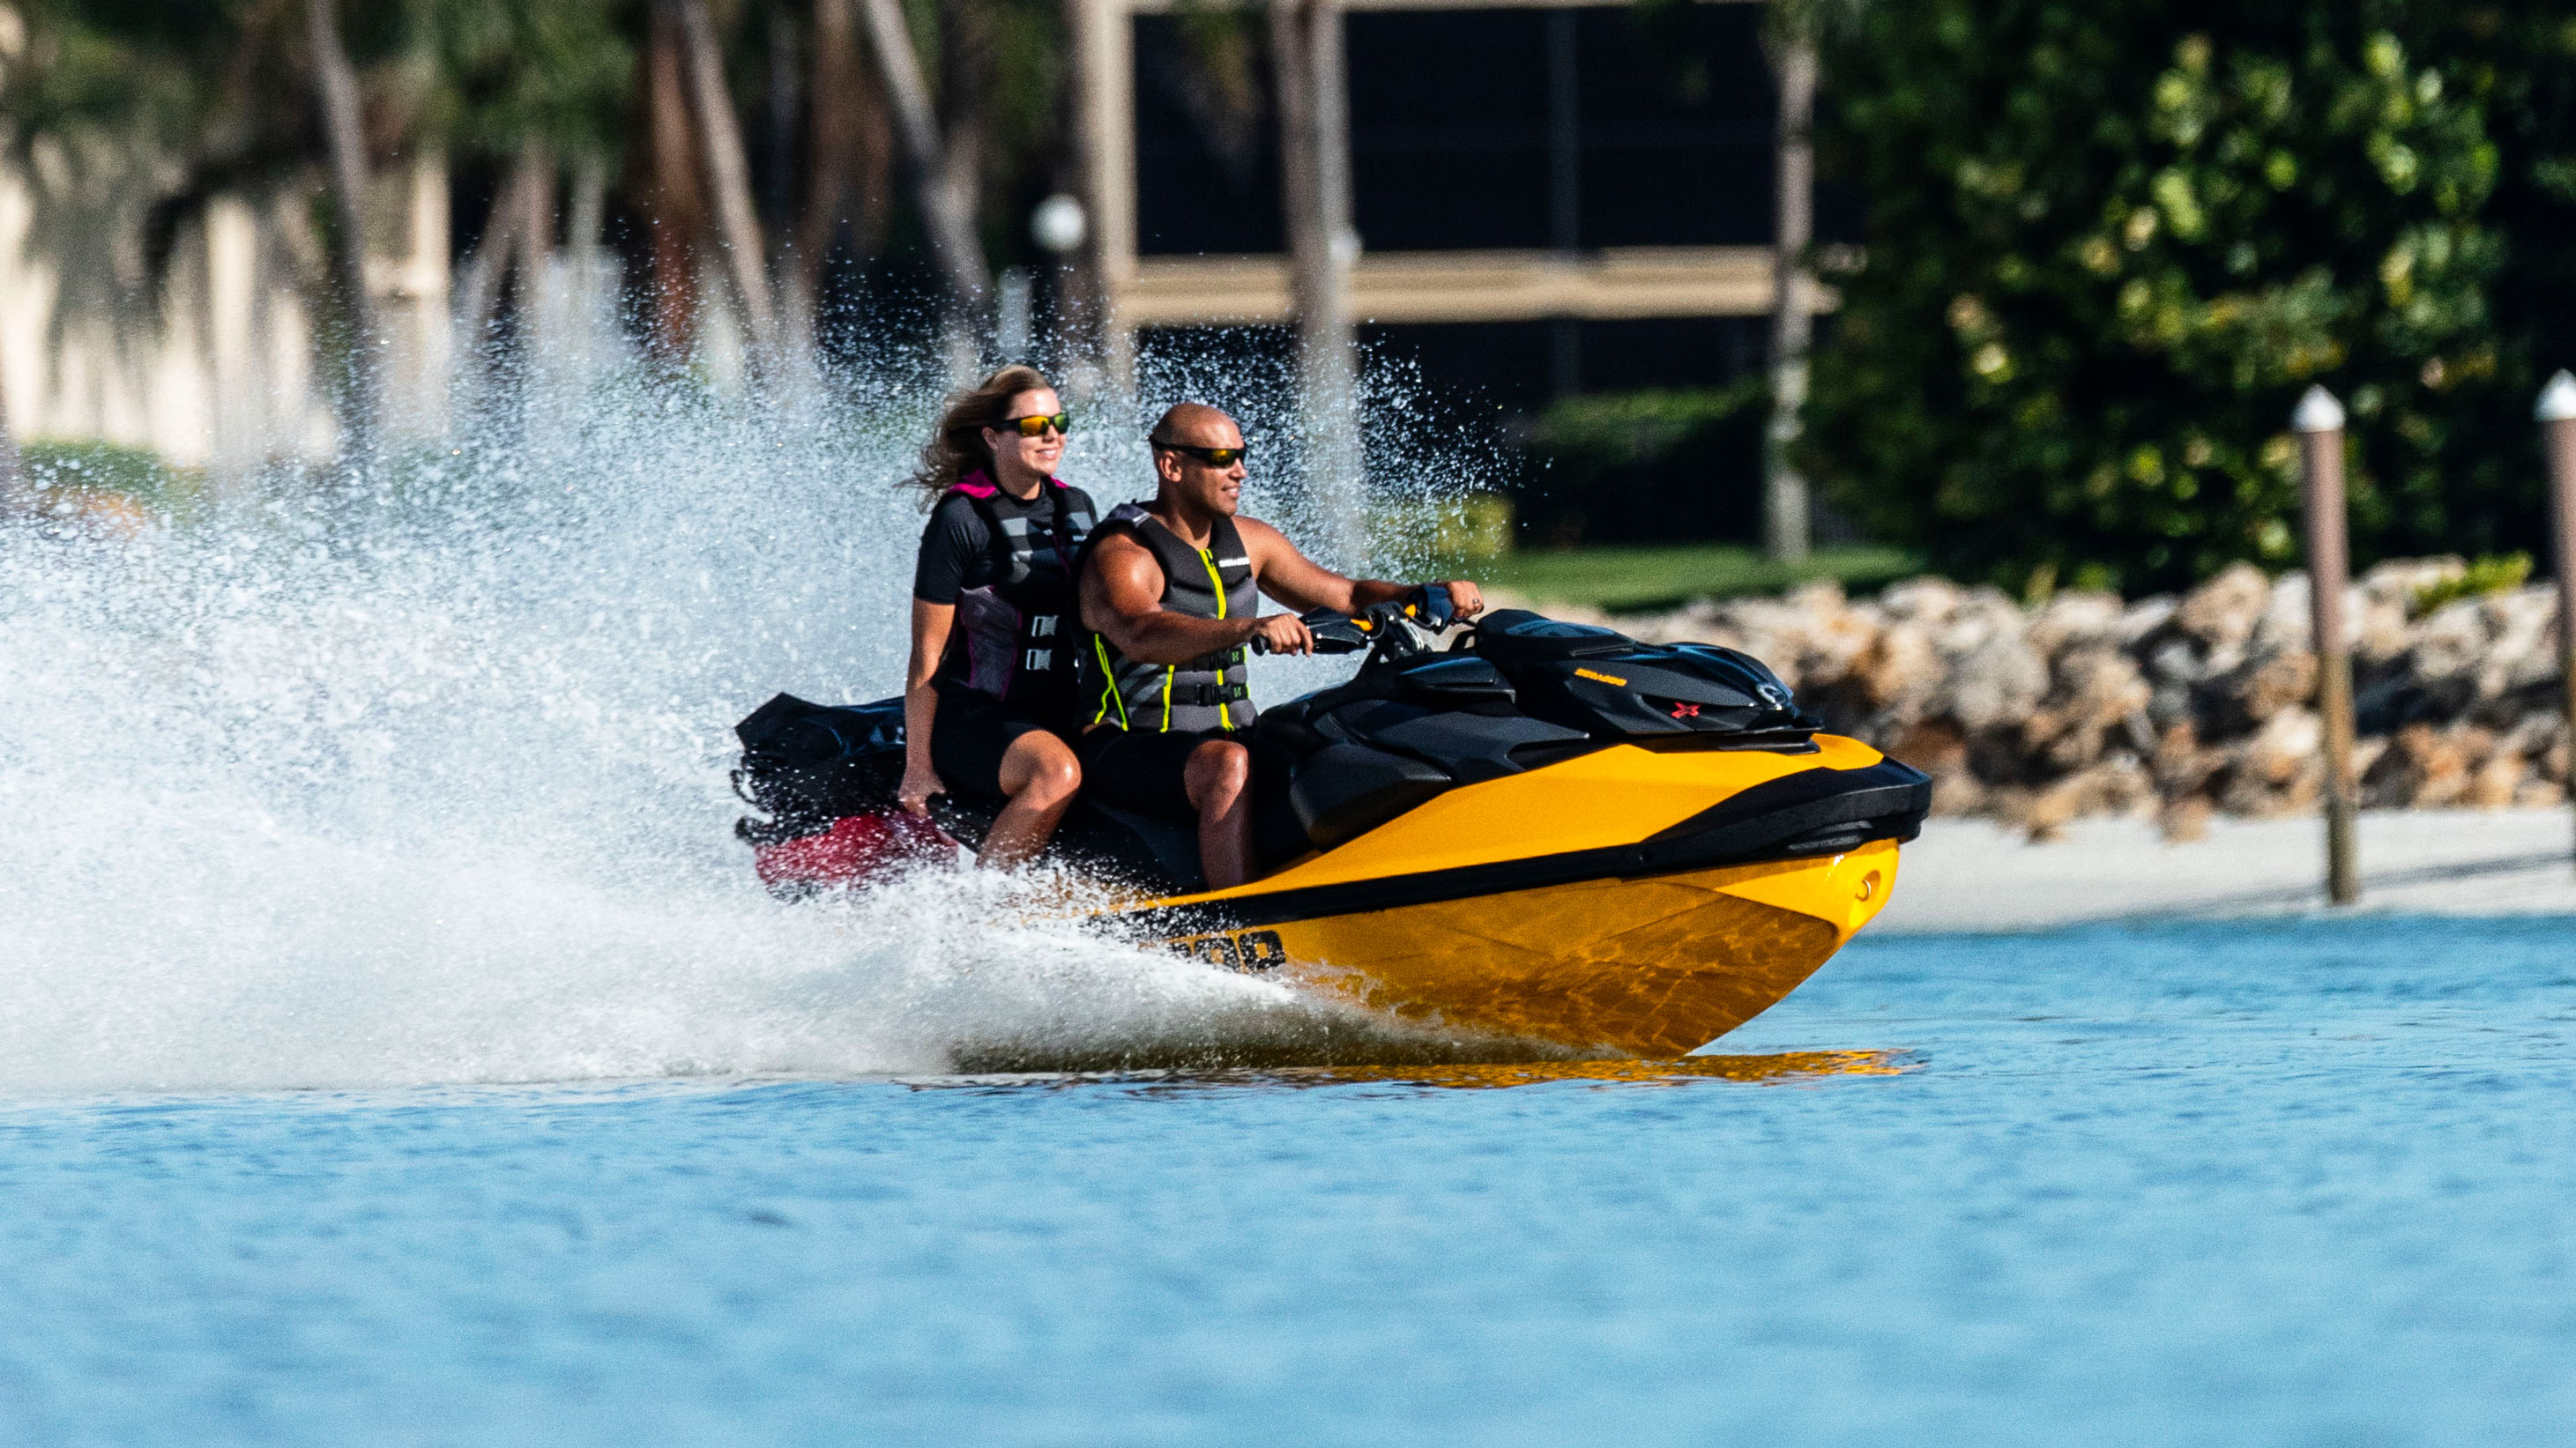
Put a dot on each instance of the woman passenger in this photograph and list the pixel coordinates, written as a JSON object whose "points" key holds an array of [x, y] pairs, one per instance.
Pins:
{"points": [[989, 694]]}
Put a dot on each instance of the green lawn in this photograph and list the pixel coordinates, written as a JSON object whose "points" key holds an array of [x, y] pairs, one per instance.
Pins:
{"points": [[1639, 578]]}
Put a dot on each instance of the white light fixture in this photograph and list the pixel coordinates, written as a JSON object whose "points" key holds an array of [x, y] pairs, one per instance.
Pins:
{"points": [[1058, 224]]}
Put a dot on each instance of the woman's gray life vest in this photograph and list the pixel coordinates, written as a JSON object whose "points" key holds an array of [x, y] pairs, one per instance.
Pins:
{"points": [[1209, 692], [1014, 633]]}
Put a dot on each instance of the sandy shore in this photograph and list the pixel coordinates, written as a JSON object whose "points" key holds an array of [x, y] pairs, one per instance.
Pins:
{"points": [[1971, 874]]}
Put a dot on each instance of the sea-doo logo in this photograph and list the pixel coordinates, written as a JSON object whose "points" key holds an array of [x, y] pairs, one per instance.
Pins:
{"points": [[1244, 951], [1773, 695]]}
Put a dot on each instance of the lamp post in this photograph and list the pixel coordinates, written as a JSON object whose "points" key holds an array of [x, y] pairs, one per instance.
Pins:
{"points": [[1060, 225], [2319, 423], [2557, 414]]}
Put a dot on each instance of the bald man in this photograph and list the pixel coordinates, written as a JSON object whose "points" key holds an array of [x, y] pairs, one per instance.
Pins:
{"points": [[1171, 592]]}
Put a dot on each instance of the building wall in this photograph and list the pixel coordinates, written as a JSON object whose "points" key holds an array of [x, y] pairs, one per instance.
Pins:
{"points": [[1549, 199], [1481, 130], [215, 365]]}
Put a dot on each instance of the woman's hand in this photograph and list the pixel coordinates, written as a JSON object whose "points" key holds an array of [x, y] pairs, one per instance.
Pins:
{"points": [[920, 782]]}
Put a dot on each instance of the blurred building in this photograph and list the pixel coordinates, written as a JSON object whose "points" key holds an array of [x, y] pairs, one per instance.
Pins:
{"points": [[1549, 198], [211, 361]]}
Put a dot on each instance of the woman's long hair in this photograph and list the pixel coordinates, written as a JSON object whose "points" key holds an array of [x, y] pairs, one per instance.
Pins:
{"points": [[957, 447]]}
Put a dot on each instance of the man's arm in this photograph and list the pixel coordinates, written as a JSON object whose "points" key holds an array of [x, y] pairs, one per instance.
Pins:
{"points": [[1300, 582], [1122, 601]]}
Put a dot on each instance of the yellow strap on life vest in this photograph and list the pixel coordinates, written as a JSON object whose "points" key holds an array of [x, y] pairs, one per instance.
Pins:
{"points": [[1108, 686], [1224, 715]]}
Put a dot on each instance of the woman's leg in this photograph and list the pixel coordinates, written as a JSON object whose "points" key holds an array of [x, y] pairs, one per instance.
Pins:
{"points": [[1219, 779], [1039, 776]]}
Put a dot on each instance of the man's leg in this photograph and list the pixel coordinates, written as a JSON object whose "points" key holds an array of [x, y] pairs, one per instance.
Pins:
{"points": [[1039, 776], [1219, 780]]}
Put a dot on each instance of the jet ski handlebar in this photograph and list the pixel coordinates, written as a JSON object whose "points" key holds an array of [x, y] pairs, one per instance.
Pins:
{"points": [[1427, 611]]}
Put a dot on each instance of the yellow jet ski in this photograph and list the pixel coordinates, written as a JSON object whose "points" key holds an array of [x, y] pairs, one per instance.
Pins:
{"points": [[1548, 831]]}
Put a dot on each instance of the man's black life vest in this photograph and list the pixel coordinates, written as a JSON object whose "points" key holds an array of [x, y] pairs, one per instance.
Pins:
{"points": [[1013, 636], [1210, 692]]}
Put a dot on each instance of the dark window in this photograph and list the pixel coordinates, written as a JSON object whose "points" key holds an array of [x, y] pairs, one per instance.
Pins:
{"points": [[1456, 129], [1449, 128], [1676, 126], [1207, 135]]}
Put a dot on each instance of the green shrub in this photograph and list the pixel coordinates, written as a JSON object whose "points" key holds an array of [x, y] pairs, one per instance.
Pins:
{"points": [[135, 473], [2481, 578], [2109, 242], [1444, 535], [1646, 467]]}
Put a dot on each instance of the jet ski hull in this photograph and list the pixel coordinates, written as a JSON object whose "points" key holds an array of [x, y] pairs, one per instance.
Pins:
{"points": [[1654, 966], [1525, 914]]}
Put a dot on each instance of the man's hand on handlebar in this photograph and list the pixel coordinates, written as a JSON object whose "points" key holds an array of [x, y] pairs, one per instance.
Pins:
{"points": [[1464, 600], [1437, 606], [1281, 633]]}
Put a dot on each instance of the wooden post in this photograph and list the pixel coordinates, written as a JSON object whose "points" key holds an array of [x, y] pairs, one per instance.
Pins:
{"points": [[2557, 414], [2319, 422]]}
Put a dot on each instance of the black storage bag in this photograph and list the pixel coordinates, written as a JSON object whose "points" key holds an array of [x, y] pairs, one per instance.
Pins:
{"points": [[807, 764]]}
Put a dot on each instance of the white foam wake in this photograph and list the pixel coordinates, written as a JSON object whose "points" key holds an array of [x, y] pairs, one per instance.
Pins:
{"points": [[430, 787]]}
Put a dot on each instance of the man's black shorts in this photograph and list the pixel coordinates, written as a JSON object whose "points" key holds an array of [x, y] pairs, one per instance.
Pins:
{"points": [[1141, 770], [969, 735]]}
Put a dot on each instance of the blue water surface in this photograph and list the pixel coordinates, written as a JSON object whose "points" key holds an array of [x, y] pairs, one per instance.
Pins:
{"points": [[2297, 1183]]}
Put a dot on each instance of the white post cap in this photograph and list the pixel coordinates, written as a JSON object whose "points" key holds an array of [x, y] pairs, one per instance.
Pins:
{"points": [[2318, 412], [2558, 399]]}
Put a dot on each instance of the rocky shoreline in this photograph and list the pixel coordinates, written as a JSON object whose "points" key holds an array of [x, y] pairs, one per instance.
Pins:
{"points": [[2176, 707]]}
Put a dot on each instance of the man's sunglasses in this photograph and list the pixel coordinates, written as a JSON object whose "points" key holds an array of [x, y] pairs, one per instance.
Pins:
{"points": [[1215, 457], [1037, 425]]}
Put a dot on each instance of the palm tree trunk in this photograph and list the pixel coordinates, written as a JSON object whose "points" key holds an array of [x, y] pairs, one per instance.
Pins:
{"points": [[1315, 175], [847, 191], [478, 289], [535, 218], [729, 175], [1785, 506], [363, 410], [834, 133], [589, 275], [944, 171], [511, 238], [1079, 291], [675, 198]]}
